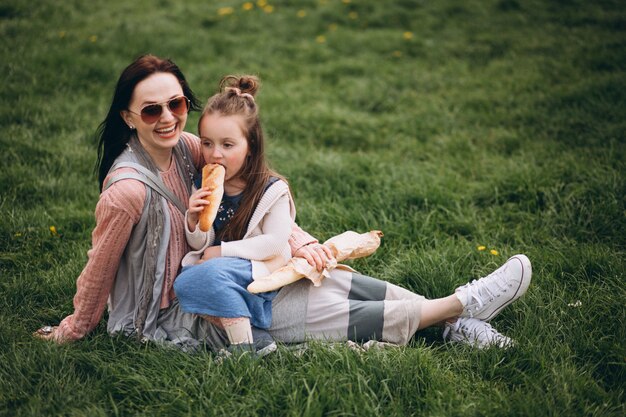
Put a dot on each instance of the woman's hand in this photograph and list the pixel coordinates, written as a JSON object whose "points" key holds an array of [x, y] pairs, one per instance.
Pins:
{"points": [[47, 333], [197, 202], [316, 254]]}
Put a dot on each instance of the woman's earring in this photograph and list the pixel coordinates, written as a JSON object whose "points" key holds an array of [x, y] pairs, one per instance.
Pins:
{"points": [[131, 127]]}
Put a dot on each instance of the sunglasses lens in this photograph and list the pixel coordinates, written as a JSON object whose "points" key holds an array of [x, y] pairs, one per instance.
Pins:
{"points": [[178, 105], [151, 113]]}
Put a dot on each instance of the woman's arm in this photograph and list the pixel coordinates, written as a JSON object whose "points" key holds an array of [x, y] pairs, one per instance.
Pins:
{"points": [[303, 245], [299, 238], [117, 211]]}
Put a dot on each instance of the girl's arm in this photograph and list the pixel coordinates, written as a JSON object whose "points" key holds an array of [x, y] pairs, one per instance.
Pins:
{"points": [[117, 211], [196, 238], [276, 228]]}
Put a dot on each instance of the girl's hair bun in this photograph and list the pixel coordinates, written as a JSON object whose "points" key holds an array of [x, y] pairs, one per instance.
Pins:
{"points": [[246, 83]]}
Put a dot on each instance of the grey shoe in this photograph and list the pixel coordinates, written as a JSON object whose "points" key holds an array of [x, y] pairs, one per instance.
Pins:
{"points": [[484, 298], [475, 332], [262, 346], [263, 342]]}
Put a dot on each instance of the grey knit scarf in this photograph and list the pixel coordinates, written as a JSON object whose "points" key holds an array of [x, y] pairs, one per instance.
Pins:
{"points": [[156, 219]]}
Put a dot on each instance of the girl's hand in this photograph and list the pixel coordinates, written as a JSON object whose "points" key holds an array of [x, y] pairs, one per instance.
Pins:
{"points": [[196, 205], [211, 252], [316, 254]]}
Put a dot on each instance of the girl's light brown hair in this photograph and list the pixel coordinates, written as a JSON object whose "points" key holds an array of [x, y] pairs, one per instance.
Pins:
{"points": [[236, 98]]}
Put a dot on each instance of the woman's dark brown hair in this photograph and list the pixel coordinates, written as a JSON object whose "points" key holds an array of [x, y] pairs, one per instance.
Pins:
{"points": [[113, 134], [236, 97]]}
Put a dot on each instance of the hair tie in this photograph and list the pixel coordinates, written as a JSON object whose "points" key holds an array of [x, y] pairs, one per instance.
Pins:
{"points": [[239, 93]]}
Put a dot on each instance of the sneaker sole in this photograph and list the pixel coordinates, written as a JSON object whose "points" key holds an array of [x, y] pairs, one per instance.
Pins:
{"points": [[267, 350], [527, 273]]}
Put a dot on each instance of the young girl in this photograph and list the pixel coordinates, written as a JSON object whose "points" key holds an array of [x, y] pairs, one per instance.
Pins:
{"points": [[250, 235]]}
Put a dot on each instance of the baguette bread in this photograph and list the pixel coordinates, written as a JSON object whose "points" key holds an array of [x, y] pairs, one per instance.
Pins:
{"points": [[348, 245], [213, 180]]}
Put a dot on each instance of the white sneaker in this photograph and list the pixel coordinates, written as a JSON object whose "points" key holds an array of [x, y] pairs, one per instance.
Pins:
{"points": [[475, 332], [484, 298]]}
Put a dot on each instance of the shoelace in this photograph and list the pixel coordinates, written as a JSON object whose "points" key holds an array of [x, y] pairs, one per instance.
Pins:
{"points": [[455, 327], [478, 332], [483, 332], [478, 289]]}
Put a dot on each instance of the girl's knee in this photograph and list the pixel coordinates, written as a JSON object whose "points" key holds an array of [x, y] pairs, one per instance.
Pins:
{"points": [[193, 278], [184, 284]]}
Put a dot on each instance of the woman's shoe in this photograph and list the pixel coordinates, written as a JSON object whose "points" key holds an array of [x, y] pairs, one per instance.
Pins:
{"points": [[484, 298], [475, 332]]}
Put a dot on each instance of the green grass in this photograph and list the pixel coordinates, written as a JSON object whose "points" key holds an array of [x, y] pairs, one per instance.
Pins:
{"points": [[497, 123]]}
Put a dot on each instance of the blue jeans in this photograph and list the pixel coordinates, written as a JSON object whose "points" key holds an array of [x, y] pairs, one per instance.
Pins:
{"points": [[218, 288]]}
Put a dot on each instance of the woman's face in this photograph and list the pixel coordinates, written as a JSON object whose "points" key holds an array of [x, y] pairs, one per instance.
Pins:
{"points": [[224, 143], [162, 134]]}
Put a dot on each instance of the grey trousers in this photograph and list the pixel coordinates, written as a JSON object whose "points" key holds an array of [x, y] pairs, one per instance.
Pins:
{"points": [[347, 306]]}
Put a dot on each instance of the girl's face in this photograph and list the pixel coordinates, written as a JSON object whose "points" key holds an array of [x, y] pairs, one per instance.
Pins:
{"points": [[224, 143], [163, 133]]}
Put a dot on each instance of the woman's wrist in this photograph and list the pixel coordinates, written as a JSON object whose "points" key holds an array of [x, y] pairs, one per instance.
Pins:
{"points": [[304, 245]]}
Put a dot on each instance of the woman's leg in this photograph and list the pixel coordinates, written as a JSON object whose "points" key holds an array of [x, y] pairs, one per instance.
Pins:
{"points": [[350, 306], [439, 310], [371, 309], [189, 331]]}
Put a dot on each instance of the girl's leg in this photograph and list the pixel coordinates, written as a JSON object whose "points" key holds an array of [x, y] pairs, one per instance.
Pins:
{"points": [[238, 330], [216, 290]]}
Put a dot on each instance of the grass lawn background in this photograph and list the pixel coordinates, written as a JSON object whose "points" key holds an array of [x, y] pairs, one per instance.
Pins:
{"points": [[447, 125]]}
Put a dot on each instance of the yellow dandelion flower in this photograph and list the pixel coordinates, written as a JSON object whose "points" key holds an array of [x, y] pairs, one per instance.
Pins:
{"points": [[301, 13], [261, 3], [481, 247], [225, 11], [247, 6], [53, 231], [268, 9], [353, 15], [62, 34], [407, 35], [397, 54], [346, 1], [332, 27], [93, 38], [320, 39], [494, 252]]}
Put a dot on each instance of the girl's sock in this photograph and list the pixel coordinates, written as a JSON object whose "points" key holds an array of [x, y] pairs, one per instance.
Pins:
{"points": [[238, 330]]}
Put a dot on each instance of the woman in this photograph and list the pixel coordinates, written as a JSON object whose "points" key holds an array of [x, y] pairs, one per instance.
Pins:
{"points": [[146, 167]]}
